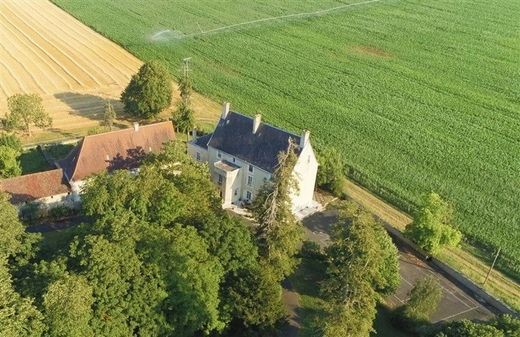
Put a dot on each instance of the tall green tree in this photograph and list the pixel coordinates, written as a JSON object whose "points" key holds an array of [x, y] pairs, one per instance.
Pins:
{"points": [[432, 227], [331, 172], [109, 115], [25, 111], [183, 117], [149, 91], [170, 217], [279, 235], [18, 315], [15, 243], [356, 274], [9, 163], [68, 307]]}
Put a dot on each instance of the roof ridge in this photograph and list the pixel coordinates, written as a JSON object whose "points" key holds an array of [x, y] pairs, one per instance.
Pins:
{"points": [[266, 124], [30, 174], [79, 148], [126, 129]]}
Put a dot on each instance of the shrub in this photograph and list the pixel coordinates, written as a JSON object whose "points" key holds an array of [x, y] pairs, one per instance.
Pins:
{"points": [[425, 297], [60, 212], [431, 228]]}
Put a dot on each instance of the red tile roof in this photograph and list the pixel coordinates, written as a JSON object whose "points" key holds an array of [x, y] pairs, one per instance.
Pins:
{"points": [[34, 186], [115, 150]]}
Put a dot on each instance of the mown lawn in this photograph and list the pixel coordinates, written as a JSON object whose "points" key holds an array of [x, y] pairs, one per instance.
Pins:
{"points": [[33, 161], [418, 95]]}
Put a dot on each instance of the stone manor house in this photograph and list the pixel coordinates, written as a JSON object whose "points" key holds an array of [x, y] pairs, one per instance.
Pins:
{"points": [[242, 155]]}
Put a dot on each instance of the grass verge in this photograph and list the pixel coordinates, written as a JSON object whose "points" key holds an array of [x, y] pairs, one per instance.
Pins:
{"points": [[463, 259]]}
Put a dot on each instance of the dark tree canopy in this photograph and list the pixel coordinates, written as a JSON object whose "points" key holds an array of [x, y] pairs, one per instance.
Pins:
{"points": [[149, 91], [362, 265], [331, 172]]}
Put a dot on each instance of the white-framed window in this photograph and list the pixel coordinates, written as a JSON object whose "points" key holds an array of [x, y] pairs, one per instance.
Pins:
{"points": [[249, 180], [236, 192], [220, 179], [248, 195], [219, 155], [251, 168], [198, 156], [234, 159]]}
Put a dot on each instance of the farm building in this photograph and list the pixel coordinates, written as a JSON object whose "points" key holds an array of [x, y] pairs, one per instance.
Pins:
{"points": [[122, 149], [242, 154]]}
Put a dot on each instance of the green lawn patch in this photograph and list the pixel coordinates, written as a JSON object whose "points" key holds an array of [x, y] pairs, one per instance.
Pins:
{"points": [[33, 161]]}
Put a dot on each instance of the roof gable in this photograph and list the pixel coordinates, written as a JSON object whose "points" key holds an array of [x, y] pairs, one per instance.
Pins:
{"points": [[115, 150], [234, 135]]}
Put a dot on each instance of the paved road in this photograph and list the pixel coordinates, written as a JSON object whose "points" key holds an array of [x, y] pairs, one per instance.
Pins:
{"points": [[455, 304]]}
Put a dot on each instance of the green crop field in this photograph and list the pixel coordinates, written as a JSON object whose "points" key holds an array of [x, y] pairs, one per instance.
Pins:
{"points": [[418, 95]]}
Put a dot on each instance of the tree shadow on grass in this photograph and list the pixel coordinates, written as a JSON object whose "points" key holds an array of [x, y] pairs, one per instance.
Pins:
{"points": [[306, 282], [86, 105]]}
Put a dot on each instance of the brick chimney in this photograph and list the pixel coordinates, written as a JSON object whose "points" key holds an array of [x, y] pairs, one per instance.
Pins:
{"points": [[304, 139], [136, 126], [225, 110], [256, 122]]}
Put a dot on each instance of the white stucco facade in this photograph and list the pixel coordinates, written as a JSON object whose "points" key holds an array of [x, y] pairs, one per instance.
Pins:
{"points": [[240, 181]]}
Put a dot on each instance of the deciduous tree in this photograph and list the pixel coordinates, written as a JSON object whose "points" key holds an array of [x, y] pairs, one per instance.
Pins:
{"points": [[357, 273], [331, 172], [424, 300], [25, 111], [68, 307], [10, 140], [466, 328], [149, 91], [431, 228], [9, 164], [18, 316]]}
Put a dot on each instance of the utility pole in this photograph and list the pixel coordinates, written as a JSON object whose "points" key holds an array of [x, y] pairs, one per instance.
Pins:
{"points": [[186, 66], [492, 265]]}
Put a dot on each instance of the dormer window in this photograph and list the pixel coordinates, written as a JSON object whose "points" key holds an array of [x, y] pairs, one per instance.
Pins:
{"points": [[250, 168], [219, 155]]}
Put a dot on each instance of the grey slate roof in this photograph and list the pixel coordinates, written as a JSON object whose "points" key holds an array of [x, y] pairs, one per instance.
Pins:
{"points": [[234, 135], [203, 141]]}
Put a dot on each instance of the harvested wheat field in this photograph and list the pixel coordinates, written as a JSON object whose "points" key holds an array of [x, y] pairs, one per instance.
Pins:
{"points": [[44, 50]]}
